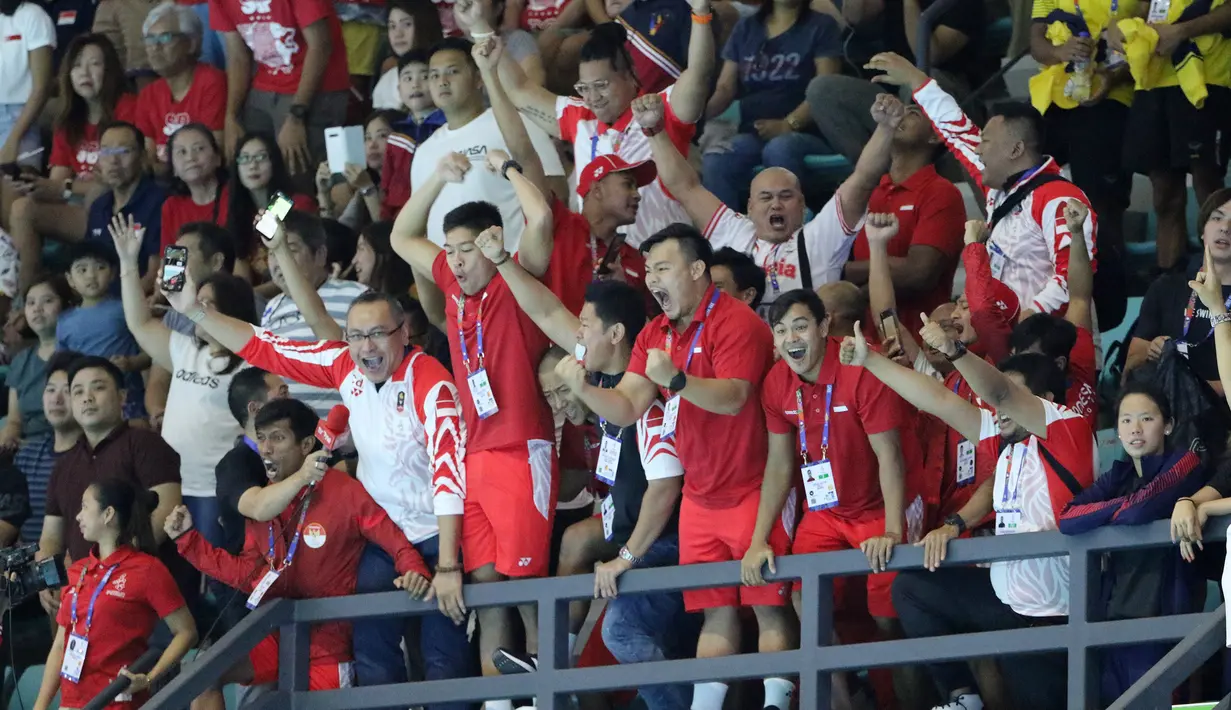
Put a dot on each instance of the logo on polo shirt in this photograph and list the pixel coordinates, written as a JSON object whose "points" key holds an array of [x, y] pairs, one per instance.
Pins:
{"points": [[314, 536], [172, 122], [117, 586]]}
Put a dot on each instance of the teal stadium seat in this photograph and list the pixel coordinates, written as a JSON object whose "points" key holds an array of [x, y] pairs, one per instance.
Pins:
{"points": [[27, 690]]}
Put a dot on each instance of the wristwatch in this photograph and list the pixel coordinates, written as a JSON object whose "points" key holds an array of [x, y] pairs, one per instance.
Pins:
{"points": [[679, 382], [959, 349], [299, 111], [510, 163], [628, 556], [67, 195], [368, 191], [795, 124], [956, 521]]}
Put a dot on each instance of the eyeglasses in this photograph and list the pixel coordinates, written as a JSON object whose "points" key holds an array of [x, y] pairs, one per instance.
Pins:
{"points": [[163, 38], [380, 336], [115, 152], [247, 158], [595, 87]]}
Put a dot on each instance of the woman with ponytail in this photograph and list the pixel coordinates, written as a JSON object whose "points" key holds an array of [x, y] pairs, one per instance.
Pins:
{"points": [[114, 599]]}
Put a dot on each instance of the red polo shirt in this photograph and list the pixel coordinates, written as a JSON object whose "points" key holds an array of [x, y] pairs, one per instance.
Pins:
{"points": [[724, 456], [139, 592], [573, 262], [930, 213], [946, 493], [512, 348], [861, 406]]}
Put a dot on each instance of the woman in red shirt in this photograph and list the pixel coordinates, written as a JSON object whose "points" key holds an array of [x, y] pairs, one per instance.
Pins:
{"points": [[118, 594], [92, 84], [199, 187], [257, 173]]}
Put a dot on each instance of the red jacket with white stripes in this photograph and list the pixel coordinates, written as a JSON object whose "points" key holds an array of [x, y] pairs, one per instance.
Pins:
{"points": [[409, 431]]}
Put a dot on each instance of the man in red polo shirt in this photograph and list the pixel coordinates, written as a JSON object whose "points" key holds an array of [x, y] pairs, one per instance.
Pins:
{"points": [[300, 86], [511, 467], [930, 214], [706, 354]]}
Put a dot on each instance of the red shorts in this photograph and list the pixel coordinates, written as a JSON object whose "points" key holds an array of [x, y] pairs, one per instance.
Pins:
{"points": [[708, 535], [822, 531], [321, 676], [509, 509]]}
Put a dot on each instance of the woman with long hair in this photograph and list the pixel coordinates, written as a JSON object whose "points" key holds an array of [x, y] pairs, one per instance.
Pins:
{"points": [[357, 190], [100, 634], [257, 173], [377, 266], [410, 25], [27, 378], [198, 423], [93, 90], [199, 185]]}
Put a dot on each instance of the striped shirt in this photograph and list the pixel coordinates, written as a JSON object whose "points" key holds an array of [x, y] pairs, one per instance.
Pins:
{"points": [[35, 460], [283, 318], [592, 138]]}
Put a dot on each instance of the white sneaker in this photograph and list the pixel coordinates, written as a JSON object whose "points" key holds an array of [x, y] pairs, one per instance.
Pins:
{"points": [[967, 701]]}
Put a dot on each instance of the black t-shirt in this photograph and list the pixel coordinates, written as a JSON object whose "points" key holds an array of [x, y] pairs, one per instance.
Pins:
{"points": [[14, 496], [1162, 313], [630, 484], [888, 32], [241, 469]]}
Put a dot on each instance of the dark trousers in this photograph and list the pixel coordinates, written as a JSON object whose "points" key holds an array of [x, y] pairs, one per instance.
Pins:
{"points": [[446, 650], [961, 600]]}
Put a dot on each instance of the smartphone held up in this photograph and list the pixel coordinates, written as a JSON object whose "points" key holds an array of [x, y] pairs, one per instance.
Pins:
{"points": [[174, 268], [275, 212]]}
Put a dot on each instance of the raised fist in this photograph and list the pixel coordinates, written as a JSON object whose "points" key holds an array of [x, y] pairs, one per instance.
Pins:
{"points": [[648, 111]]}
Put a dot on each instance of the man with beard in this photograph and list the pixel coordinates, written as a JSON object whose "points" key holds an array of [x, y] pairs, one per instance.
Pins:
{"points": [[1044, 455], [792, 254]]}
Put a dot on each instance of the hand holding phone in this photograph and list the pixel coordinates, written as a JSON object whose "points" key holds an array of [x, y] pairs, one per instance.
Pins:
{"points": [[267, 226], [889, 325], [174, 268]]}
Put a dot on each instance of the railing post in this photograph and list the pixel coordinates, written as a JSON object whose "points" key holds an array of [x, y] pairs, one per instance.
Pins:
{"points": [[294, 649], [816, 631], [1084, 575], [553, 646]]}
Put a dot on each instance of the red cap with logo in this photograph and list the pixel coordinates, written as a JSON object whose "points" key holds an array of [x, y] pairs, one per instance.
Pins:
{"points": [[604, 165]]}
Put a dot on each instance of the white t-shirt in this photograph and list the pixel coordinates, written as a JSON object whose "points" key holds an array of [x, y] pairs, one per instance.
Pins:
{"points": [[21, 33], [474, 140], [827, 239], [385, 93], [198, 424]]}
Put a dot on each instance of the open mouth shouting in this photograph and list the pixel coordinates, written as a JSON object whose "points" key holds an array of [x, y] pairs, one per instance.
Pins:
{"points": [[796, 351], [664, 300], [372, 363], [271, 468], [777, 220]]}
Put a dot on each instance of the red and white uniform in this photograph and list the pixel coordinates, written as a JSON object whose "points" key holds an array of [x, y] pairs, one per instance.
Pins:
{"points": [[139, 592], [409, 433], [575, 253], [723, 456], [159, 115], [395, 174], [1028, 496], [1029, 247], [592, 138], [827, 240], [511, 463], [341, 519], [273, 30], [82, 157]]}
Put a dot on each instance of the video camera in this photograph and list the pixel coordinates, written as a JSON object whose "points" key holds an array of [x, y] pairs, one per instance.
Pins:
{"points": [[26, 577]]}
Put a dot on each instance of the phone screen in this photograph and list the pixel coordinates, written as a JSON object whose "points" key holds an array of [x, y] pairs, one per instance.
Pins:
{"points": [[174, 264], [275, 212], [889, 325]]}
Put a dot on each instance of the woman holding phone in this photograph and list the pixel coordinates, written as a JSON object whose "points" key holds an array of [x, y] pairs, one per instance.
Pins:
{"points": [[257, 174], [101, 633], [198, 422]]}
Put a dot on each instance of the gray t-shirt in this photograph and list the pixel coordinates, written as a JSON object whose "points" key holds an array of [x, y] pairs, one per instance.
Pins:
{"points": [[27, 377]]}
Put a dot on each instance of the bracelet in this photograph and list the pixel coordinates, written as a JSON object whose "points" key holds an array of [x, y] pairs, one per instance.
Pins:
{"points": [[702, 19], [651, 132], [196, 315], [477, 36], [1190, 500], [502, 262], [1219, 320], [628, 556], [448, 569]]}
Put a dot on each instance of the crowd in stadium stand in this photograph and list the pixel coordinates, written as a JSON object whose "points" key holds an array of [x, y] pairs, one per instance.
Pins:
{"points": [[307, 299]]}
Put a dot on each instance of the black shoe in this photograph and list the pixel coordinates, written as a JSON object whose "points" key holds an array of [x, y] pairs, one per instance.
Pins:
{"points": [[511, 663]]}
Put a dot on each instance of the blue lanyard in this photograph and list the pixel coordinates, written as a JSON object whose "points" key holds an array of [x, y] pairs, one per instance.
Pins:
{"points": [[305, 501], [772, 267], [89, 615], [478, 329], [803, 428], [1027, 178], [1008, 474], [697, 336]]}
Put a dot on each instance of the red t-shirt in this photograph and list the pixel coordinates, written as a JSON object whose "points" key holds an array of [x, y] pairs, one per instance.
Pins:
{"points": [[159, 115], [179, 210], [1081, 396], [139, 592], [574, 256], [512, 348], [861, 405], [82, 156], [724, 455], [930, 213], [273, 30]]}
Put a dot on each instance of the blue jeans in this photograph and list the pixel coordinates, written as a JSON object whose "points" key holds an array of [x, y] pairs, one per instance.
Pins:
{"points": [[728, 174], [205, 518], [654, 627], [447, 652]]}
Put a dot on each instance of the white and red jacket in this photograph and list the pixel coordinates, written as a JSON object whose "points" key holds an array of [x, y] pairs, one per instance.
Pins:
{"points": [[408, 432], [1030, 246]]}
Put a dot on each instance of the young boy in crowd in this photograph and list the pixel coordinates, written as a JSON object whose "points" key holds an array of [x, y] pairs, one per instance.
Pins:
{"points": [[96, 327], [422, 120]]}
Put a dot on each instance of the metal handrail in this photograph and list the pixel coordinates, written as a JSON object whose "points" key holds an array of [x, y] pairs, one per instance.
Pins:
{"points": [[813, 662]]}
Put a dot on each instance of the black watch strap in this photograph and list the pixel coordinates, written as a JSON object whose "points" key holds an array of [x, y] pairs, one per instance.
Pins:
{"points": [[956, 521], [959, 351], [679, 382], [299, 111], [510, 163]]}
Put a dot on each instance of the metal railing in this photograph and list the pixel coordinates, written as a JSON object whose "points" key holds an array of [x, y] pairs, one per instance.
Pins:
{"points": [[812, 663]]}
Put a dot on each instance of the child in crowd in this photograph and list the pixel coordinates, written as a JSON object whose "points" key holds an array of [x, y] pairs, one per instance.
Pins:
{"points": [[422, 120], [97, 327]]}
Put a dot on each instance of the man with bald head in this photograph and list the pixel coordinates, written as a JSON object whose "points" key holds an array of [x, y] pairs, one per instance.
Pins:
{"points": [[792, 254], [845, 304]]}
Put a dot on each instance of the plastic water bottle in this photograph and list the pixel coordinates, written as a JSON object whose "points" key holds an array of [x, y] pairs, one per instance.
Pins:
{"points": [[1079, 84]]}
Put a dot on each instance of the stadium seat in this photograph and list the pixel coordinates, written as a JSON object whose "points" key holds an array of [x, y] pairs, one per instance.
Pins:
{"points": [[27, 690]]}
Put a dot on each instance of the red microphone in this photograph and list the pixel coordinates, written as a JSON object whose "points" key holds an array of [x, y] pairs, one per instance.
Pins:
{"points": [[331, 429]]}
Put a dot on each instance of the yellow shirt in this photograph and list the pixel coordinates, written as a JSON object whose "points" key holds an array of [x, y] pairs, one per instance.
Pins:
{"points": [[1047, 87], [1206, 61]]}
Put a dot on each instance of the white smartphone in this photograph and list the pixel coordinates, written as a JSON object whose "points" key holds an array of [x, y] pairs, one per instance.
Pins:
{"points": [[275, 212], [344, 144]]}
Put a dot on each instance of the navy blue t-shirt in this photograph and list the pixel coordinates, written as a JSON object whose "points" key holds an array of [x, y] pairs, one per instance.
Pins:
{"points": [[145, 206], [774, 73]]}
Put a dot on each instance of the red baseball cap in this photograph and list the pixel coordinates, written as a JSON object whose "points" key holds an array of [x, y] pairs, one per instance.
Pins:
{"points": [[604, 165]]}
